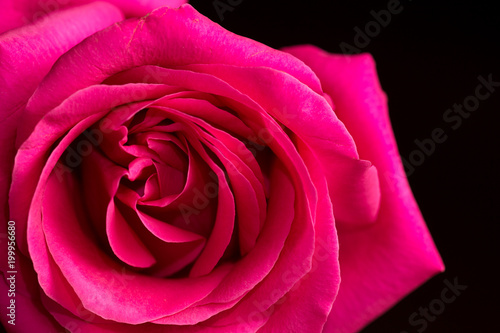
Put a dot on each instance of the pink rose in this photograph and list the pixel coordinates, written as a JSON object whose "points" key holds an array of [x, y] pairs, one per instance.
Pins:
{"points": [[166, 175]]}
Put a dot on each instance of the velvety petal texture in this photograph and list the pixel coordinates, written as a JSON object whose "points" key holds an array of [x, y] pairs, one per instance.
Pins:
{"points": [[158, 164], [166, 175], [382, 263], [27, 54], [16, 13]]}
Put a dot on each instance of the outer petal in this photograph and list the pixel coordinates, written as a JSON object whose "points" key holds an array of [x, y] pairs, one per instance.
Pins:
{"points": [[383, 263], [167, 38], [26, 56], [16, 13]]}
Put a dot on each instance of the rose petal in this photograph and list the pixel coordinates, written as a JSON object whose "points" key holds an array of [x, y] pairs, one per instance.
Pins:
{"points": [[256, 264], [293, 263], [22, 69], [382, 264], [29, 52], [97, 170], [131, 243], [250, 204], [354, 188], [139, 8], [170, 180], [248, 192], [307, 306], [277, 89], [213, 114], [167, 232], [353, 184], [171, 257], [133, 43], [93, 101], [224, 221], [125, 242], [89, 270], [20, 12], [50, 278]]}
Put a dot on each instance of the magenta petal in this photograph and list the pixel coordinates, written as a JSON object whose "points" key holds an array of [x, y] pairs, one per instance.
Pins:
{"points": [[30, 159], [196, 314], [22, 69], [318, 123], [383, 263], [354, 189], [210, 113], [122, 239], [16, 13], [174, 248], [125, 242], [292, 265], [49, 276], [224, 223], [89, 270], [30, 163], [250, 204], [140, 8], [353, 183], [171, 180], [168, 232], [307, 306], [151, 40], [248, 192], [259, 270]]}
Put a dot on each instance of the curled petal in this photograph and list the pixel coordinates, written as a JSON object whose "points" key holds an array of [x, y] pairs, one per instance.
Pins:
{"points": [[383, 263], [27, 55]]}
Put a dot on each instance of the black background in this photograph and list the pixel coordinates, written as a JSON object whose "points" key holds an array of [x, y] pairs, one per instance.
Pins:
{"points": [[428, 58]]}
